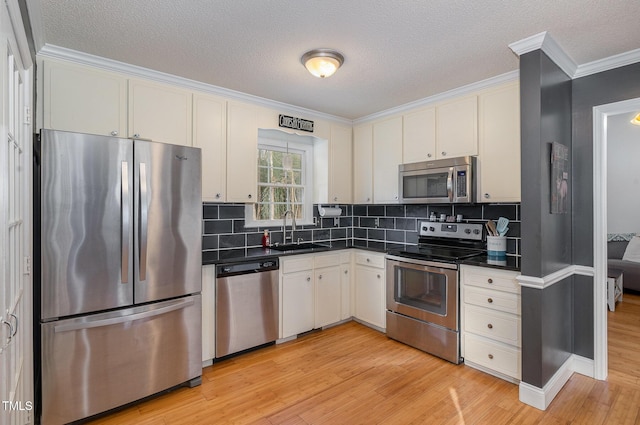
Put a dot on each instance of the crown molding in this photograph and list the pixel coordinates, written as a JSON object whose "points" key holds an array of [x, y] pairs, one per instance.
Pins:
{"points": [[550, 47], [35, 19], [56, 52], [431, 100], [606, 64], [23, 54]]}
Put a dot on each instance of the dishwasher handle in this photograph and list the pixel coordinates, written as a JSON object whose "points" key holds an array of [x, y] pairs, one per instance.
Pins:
{"points": [[246, 267]]}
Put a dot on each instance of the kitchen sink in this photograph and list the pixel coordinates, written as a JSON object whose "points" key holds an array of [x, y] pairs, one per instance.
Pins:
{"points": [[297, 247]]}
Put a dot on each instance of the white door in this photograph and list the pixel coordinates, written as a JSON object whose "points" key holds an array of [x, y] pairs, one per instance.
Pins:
{"points": [[16, 371]]}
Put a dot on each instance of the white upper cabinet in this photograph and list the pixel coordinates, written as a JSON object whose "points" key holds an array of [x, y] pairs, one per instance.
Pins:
{"points": [[419, 136], [160, 112], [340, 165], [499, 145], [210, 135], [457, 127], [387, 155], [84, 100], [363, 164], [242, 152]]}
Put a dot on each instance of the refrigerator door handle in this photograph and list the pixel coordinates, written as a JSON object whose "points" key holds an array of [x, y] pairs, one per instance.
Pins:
{"points": [[125, 211], [123, 319], [144, 211]]}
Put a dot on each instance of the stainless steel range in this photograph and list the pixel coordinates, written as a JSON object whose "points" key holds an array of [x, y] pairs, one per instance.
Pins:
{"points": [[423, 290]]}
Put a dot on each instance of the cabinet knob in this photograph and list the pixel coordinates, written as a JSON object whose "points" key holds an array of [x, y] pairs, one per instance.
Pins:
{"points": [[368, 199], [346, 271], [396, 197], [490, 280], [379, 276], [308, 279], [218, 195], [368, 260], [490, 326], [320, 277], [114, 133], [428, 155], [249, 196], [487, 196], [136, 135], [489, 300], [444, 154], [335, 199], [490, 356]]}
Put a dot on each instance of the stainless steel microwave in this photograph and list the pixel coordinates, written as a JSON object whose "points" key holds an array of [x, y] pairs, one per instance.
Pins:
{"points": [[441, 181]]}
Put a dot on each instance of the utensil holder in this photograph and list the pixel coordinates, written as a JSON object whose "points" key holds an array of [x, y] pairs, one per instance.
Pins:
{"points": [[497, 246]]}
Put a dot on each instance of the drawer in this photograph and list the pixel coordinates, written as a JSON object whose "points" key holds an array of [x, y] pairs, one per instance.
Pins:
{"points": [[326, 260], [503, 280], [370, 259], [493, 324], [296, 263], [495, 300], [493, 355]]}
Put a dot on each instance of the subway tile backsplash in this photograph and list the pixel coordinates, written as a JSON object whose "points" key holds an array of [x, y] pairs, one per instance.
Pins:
{"points": [[372, 226]]}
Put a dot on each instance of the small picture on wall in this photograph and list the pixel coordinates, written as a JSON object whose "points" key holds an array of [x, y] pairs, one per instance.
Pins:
{"points": [[559, 178]]}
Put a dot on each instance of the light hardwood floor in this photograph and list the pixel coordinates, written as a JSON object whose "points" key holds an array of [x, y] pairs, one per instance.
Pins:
{"points": [[351, 374]]}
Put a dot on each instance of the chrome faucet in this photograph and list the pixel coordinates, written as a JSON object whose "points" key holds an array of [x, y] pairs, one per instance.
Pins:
{"points": [[284, 226]]}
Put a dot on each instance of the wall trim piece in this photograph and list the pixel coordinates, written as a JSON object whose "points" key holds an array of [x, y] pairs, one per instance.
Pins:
{"points": [[56, 52], [541, 398], [553, 278], [548, 45], [441, 97], [612, 62]]}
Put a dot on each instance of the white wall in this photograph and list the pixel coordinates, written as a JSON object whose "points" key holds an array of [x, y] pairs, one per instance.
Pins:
{"points": [[623, 175]]}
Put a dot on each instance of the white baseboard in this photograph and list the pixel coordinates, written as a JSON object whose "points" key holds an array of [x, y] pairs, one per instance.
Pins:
{"points": [[541, 398]]}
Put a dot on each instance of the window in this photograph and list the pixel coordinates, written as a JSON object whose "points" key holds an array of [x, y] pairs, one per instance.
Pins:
{"points": [[285, 179]]}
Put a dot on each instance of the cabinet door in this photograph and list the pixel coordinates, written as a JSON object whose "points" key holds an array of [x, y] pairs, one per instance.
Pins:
{"points": [[160, 113], [499, 145], [242, 152], [209, 134], [387, 155], [363, 164], [369, 293], [419, 136], [84, 100], [345, 281], [457, 128], [340, 165], [208, 312], [328, 290], [297, 303]]}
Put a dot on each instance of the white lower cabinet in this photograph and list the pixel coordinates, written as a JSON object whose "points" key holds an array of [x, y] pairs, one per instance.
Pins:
{"points": [[208, 312], [328, 290], [296, 295], [491, 324], [369, 281]]}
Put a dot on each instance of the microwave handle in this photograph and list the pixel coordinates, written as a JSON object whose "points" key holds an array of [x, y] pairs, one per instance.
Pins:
{"points": [[450, 184]]}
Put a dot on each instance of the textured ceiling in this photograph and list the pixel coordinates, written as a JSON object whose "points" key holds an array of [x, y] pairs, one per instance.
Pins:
{"points": [[396, 51]]}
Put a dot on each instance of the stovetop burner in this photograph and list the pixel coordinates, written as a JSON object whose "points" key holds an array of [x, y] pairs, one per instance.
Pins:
{"points": [[447, 242]]}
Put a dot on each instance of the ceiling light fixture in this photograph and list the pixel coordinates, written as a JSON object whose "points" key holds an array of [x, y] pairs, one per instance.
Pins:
{"points": [[322, 62], [636, 119]]}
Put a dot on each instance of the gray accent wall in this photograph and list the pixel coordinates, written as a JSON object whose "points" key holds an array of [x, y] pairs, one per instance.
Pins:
{"points": [[545, 93], [594, 90]]}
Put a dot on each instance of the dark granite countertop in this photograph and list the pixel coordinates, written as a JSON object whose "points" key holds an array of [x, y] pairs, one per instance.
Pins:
{"points": [[508, 263]]}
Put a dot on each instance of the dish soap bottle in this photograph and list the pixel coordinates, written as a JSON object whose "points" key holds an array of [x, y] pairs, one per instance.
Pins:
{"points": [[265, 239]]}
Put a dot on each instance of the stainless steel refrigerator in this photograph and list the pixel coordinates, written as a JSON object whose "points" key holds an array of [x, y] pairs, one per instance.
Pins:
{"points": [[118, 277]]}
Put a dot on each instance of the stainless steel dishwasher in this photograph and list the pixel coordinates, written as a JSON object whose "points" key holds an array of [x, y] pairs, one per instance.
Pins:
{"points": [[247, 303]]}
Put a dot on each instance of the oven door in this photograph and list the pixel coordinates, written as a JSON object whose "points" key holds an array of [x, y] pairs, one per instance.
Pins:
{"points": [[423, 290]]}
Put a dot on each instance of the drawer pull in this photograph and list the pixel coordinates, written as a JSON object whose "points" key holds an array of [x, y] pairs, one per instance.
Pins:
{"points": [[490, 326], [490, 280], [490, 356], [489, 300], [308, 279]]}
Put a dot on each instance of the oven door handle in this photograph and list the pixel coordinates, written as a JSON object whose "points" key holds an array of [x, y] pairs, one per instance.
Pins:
{"points": [[413, 261]]}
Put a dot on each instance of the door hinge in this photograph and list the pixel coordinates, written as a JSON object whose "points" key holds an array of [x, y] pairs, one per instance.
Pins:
{"points": [[27, 115], [27, 265]]}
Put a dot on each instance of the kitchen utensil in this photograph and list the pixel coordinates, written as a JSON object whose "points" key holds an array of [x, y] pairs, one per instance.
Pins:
{"points": [[503, 232], [492, 227], [502, 224]]}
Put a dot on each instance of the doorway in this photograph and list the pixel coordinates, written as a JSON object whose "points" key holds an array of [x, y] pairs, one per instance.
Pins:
{"points": [[601, 115]]}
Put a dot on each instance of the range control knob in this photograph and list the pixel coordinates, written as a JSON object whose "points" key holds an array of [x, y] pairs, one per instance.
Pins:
{"points": [[433, 229], [467, 231], [476, 232], [424, 228]]}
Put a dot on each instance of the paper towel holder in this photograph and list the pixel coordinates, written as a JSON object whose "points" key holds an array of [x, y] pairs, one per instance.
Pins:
{"points": [[334, 212]]}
